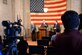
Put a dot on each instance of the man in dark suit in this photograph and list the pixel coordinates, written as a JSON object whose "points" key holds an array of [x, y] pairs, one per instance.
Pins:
{"points": [[33, 31], [57, 25], [44, 24]]}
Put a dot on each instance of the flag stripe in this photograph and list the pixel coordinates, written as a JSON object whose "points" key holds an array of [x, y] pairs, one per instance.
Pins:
{"points": [[51, 5], [57, 10], [54, 2], [45, 19], [58, 17], [49, 22], [63, 5], [46, 15]]}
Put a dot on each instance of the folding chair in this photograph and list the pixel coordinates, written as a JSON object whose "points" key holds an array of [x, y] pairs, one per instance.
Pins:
{"points": [[39, 50], [50, 50], [43, 42], [48, 38]]}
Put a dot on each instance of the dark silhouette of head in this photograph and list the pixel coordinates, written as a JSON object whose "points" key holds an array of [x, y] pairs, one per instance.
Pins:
{"points": [[80, 26], [58, 30], [70, 19]]}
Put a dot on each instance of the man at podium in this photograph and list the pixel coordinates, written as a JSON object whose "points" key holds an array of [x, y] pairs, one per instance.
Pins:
{"points": [[44, 24]]}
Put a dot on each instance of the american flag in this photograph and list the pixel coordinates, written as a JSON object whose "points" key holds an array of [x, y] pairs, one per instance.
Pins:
{"points": [[55, 9]]}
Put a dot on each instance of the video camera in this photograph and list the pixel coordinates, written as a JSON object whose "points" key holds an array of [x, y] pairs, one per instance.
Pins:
{"points": [[12, 30]]}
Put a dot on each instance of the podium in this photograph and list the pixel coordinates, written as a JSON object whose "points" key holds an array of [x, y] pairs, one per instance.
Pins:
{"points": [[42, 32]]}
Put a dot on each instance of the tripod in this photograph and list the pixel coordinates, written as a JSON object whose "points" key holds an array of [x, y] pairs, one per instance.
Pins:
{"points": [[12, 49]]}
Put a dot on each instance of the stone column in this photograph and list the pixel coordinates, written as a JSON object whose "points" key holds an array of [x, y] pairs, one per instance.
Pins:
{"points": [[26, 16]]}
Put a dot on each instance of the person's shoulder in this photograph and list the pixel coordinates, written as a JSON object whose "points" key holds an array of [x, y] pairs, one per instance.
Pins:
{"points": [[80, 35], [53, 35], [59, 36]]}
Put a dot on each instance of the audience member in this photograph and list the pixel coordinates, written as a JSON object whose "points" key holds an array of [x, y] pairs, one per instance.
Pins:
{"points": [[22, 47], [52, 31], [1, 45], [33, 31], [70, 41], [80, 26], [53, 38]]}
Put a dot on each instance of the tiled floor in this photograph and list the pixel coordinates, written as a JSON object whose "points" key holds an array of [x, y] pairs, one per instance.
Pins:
{"points": [[30, 42]]}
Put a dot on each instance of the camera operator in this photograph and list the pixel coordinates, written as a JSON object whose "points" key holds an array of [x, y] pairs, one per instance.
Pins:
{"points": [[22, 47], [11, 33]]}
